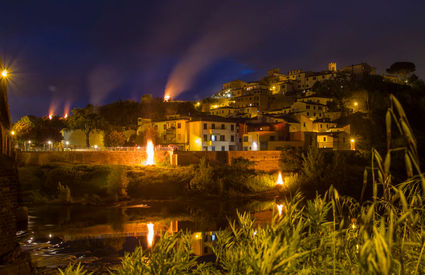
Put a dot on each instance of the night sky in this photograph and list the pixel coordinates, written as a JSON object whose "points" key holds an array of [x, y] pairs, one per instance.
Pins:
{"points": [[78, 52]]}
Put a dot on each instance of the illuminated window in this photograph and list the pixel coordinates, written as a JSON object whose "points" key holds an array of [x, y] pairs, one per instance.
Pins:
{"points": [[212, 137]]}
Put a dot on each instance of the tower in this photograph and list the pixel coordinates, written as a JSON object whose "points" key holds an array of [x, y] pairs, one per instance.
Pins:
{"points": [[332, 67]]}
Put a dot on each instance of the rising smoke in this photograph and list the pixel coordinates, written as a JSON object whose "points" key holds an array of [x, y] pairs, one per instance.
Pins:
{"points": [[231, 31]]}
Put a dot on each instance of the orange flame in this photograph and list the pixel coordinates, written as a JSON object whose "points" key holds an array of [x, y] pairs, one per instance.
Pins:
{"points": [[167, 98], [150, 234], [50, 116], [66, 110], [150, 153], [279, 179]]}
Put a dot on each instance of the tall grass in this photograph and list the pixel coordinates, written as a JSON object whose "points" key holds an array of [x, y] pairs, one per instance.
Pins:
{"points": [[330, 234]]}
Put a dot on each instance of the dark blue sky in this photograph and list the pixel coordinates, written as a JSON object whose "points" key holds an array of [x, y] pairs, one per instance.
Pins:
{"points": [[80, 52]]}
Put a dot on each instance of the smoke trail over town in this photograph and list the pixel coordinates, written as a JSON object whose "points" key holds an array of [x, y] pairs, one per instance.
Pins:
{"points": [[229, 31]]}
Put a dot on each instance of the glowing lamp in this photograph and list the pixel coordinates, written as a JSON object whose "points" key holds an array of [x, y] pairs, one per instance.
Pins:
{"points": [[12, 133], [4, 73]]}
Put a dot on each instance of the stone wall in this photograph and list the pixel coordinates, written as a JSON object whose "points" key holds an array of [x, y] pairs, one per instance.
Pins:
{"points": [[262, 160], [8, 206], [89, 157]]}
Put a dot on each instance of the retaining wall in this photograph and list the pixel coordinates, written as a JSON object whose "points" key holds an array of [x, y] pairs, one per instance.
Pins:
{"points": [[89, 157], [261, 160]]}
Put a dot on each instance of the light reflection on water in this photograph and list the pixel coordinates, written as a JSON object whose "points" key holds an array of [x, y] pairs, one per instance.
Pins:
{"points": [[57, 235]]}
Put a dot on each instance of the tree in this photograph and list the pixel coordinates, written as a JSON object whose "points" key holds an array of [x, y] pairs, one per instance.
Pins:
{"points": [[402, 69], [86, 119], [114, 138], [25, 128]]}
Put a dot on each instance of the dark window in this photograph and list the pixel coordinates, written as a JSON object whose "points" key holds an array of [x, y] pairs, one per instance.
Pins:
{"points": [[223, 148], [307, 107], [165, 126], [308, 114], [222, 138], [245, 138], [205, 126], [205, 137], [324, 138], [179, 125], [271, 138], [245, 148], [205, 148], [304, 124], [212, 148], [321, 126], [213, 126], [232, 138], [223, 126], [232, 127]]}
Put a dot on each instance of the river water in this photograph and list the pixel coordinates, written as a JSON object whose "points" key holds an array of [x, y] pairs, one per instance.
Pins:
{"points": [[98, 236]]}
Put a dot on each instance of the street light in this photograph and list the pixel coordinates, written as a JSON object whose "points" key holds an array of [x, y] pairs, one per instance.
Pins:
{"points": [[12, 133], [4, 73]]}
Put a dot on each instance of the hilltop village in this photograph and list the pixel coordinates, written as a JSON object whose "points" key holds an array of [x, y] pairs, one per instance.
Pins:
{"points": [[334, 109], [277, 111]]}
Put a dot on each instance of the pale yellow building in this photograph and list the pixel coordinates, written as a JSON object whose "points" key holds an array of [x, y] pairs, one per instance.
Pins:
{"points": [[212, 134]]}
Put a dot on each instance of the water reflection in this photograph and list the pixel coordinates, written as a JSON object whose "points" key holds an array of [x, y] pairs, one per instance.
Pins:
{"points": [[150, 234], [93, 233], [279, 209]]}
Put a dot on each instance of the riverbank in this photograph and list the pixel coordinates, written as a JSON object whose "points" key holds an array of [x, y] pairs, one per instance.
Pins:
{"points": [[59, 183]]}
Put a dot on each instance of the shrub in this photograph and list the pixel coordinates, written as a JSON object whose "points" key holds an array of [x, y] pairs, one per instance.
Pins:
{"points": [[117, 182], [64, 194], [203, 179]]}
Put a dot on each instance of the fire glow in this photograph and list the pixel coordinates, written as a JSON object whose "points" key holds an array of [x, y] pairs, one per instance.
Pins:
{"points": [[279, 179], [66, 110], [167, 98], [150, 234], [150, 160], [279, 209]]}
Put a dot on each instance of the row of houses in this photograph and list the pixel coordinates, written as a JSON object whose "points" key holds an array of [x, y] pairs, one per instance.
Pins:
{"points": [[265, 132], [277, 91]]}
